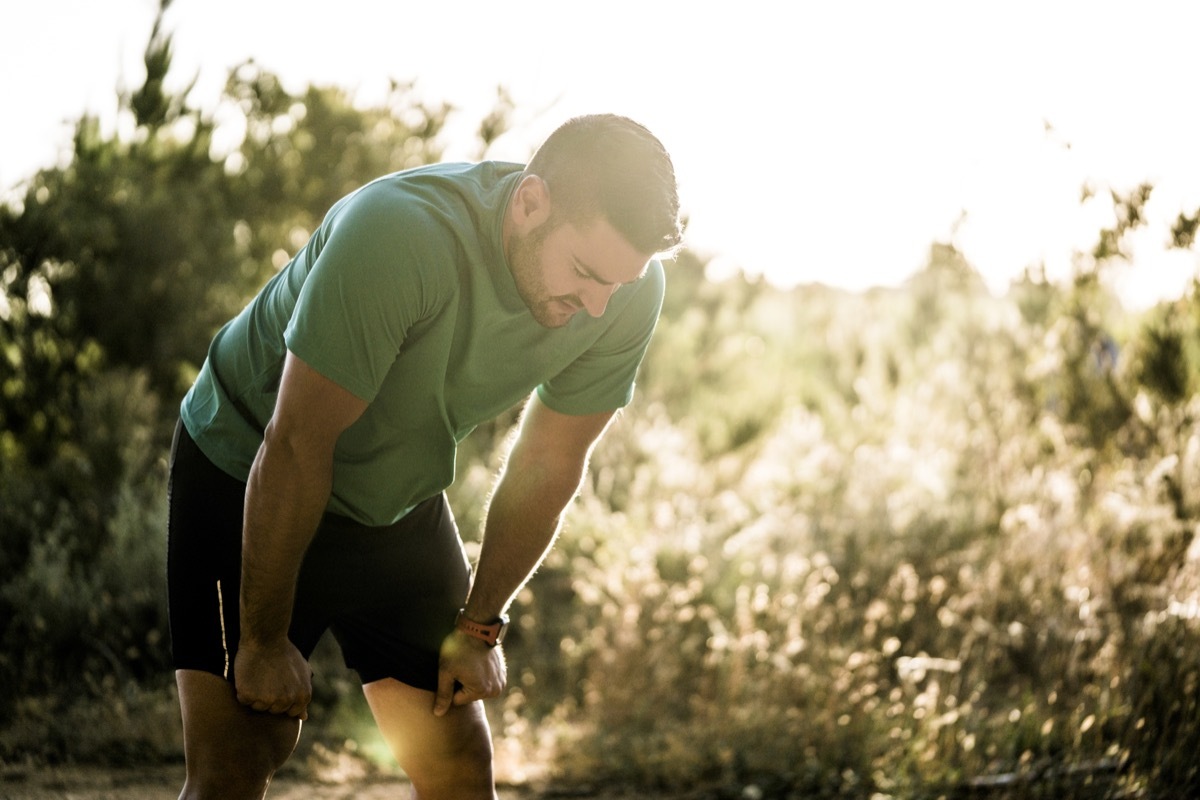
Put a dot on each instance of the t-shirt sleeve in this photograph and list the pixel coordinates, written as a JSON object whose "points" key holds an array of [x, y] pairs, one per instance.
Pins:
{"points": [[602, 379], [368, 285]]}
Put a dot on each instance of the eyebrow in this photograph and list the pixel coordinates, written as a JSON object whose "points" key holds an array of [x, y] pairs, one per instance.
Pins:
{"points": [[591, 273]]}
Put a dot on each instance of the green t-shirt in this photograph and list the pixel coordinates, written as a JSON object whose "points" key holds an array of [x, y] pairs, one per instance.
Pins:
{"points": [[403, 296]]}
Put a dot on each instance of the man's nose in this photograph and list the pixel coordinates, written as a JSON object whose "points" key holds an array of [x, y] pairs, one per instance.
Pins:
{"points": [[595, 298]]}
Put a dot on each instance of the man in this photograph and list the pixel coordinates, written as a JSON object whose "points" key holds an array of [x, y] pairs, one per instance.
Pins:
{"points": [[308, 468]]}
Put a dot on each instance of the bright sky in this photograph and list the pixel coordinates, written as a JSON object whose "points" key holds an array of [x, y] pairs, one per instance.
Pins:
{"points": [[825, 141]]}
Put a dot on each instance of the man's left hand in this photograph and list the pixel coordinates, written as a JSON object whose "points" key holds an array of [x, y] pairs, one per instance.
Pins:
{"points": [[468, 670]]}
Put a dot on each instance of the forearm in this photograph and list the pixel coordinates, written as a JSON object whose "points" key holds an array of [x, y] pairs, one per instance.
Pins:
{"points": [[542, 474], [285, 498], [522, 522]]}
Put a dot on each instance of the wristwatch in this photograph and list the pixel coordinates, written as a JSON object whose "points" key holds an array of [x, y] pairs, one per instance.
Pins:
{"points": [[492, 632]]}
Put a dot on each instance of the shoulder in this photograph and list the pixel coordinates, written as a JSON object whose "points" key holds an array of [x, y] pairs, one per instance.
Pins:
{"points": [[655, 279], [446, 188], [427, 207]]}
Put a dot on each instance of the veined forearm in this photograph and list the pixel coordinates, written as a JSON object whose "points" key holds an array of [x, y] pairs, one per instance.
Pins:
{"points": [[522, 522], [543, 473], [285, 498]]}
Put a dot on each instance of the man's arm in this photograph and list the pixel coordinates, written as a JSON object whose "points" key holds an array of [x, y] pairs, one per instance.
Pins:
{"points": [[543, 472], [287, 492]]}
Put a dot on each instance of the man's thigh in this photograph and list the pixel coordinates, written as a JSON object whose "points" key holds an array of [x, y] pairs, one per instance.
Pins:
{"points": [[390, 594], [445, 757], [204, 533], [204, 566]]}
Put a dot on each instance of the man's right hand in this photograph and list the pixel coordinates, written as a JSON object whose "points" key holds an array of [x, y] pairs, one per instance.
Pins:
{"points": [[273, 678], [468, 670]]}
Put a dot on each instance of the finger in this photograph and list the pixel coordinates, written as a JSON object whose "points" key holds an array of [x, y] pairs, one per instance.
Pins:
{"points": [[469, 694], [445, 693], [297, 704], [298, 711], [254, 702]]}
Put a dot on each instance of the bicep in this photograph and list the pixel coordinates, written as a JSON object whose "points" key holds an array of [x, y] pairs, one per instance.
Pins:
{"points": [[311, 409]]}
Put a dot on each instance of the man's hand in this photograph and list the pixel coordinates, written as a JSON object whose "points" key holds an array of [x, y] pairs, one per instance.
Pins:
{"points": [[273, 678], [468, 670]]}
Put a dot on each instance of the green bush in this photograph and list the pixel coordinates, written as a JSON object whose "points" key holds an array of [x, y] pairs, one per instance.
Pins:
{"points": [[921, 542], [943, 581]]}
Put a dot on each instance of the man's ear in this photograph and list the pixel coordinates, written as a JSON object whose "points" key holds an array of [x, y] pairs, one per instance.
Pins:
{"points": [[531, 203]]}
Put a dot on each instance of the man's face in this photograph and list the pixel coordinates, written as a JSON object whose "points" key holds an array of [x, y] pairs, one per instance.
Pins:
{"points": [[566, 268]]}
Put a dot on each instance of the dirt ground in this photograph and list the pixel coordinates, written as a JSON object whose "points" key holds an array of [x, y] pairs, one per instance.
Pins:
{"points": [[90, 783], [163, 783], [94, 783]]}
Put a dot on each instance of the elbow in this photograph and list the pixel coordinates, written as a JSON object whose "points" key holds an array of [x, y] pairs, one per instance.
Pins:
{"points": [[297, 446]]}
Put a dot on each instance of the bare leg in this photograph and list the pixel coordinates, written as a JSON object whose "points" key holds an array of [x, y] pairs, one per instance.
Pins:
{"points": [[231, 751], [446, 758]]}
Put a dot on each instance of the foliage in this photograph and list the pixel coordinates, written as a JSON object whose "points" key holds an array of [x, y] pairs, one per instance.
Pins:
{"points": [[115, 271], [904, 543], [959, 569]]}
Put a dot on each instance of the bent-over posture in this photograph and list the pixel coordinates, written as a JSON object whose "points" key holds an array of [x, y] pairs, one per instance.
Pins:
{"points": [[308, 468]]}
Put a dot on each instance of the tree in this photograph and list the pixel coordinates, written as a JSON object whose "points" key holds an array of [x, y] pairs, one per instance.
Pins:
{"points": [[115, 272]]}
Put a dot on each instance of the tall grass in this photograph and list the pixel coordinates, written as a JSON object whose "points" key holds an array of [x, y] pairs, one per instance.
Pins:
{"points": [[954, 570], [921, 543]]}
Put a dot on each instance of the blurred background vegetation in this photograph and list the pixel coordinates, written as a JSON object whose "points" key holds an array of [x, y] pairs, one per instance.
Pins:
{"points": [[914, 542]]}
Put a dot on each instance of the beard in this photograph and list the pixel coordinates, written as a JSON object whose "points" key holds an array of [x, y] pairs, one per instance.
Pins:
{"points": [[525, 263]]}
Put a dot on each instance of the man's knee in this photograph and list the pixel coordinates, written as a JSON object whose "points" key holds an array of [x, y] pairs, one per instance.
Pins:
{"points": [[231, 751], [205, 784], [238, 766], [473, 750]]}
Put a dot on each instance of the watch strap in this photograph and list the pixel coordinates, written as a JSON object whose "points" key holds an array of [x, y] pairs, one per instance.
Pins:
{"points": [[492, 633]]}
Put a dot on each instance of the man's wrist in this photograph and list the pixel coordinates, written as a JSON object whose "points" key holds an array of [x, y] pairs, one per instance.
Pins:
{"points": [[491, 632], [249, 642]]}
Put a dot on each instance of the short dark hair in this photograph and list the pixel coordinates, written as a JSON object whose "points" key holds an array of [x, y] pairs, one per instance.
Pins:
{"points": [[610, 166]]}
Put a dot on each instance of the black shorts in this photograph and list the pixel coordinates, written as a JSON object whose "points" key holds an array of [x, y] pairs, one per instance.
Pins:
{"points": [[389, 594]]}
